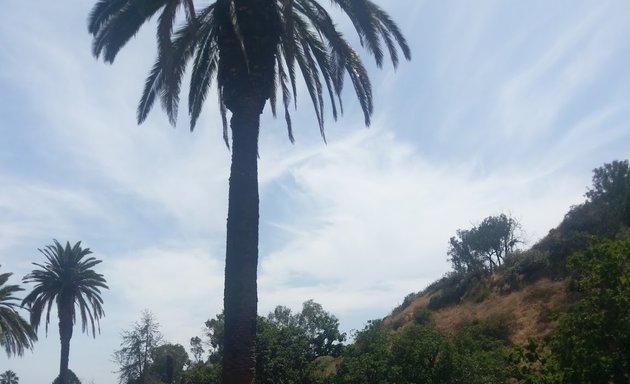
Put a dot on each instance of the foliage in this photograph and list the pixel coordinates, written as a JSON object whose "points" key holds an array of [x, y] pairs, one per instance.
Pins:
{"points": [[453, 289], [369, 359], [196, 347], [168, 361], [484, 247], [16, 334], [535, 363], [593, 339], [288, 344], [71, 379], [480, 354], [419, 356], [524, 267], [604, 214], [136, 354], [9, 377]]}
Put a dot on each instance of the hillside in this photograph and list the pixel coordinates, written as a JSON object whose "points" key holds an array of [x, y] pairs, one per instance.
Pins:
{"points": [[526, 292], [528, 312]]}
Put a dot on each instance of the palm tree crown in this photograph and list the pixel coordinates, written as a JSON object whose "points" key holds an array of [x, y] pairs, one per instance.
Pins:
{"points": [[66, 277], [306, 39], [16, 334], [9, 377]]}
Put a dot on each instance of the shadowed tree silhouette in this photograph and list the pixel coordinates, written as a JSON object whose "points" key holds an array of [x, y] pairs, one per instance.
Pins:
{"points": [[255, 50], [16, 334], [66, 279]]}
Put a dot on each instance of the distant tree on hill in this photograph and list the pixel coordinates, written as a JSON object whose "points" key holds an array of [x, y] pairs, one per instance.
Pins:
{"points": [[604, 214], [611, 187], [484, 247]]}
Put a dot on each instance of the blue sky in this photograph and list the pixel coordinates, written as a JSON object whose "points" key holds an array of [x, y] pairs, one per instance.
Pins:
{"points": [[507, 106]]}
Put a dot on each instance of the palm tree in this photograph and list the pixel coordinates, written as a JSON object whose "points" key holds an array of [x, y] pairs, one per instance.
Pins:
{"points": [[9, 377], [15, 333], [254, 49], [66, 279]]}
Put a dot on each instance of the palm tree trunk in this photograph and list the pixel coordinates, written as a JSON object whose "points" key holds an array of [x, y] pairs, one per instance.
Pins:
{"points": [[65, 334], [240, 296]]}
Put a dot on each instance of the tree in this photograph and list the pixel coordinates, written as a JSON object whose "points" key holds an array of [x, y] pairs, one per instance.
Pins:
{"points": [[66, 279], [322, 329], [9, 377], [168, 361], [593, 340], [196, 347], [16, 334], [136, 353], [484, 247], [369, 359], [253, 48]]}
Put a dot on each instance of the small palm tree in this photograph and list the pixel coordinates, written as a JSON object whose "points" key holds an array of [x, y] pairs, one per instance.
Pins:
{"points": [[256, 50], [9, 377], [68, 280], [16, 334]]}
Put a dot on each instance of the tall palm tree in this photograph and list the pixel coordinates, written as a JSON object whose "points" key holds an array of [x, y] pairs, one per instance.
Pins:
{"points": [[16, 334], [68, 280], [9, 377], [254, 49]]}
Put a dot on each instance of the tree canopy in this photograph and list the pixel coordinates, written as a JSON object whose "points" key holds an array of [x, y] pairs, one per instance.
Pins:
{"points": [[485, 246]]}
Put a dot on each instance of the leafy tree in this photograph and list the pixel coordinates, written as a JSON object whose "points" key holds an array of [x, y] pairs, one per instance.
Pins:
{"points": [[593, 339], [480, 354], [66, 279], [535, 363], [322, 328], [196, 347], [369, 359], [168, 361], [253, 48], [283, 353], [484, 247], [15, 332], [9, 377], [611, 182], [420, 356], [136, 353], [288, 343]]}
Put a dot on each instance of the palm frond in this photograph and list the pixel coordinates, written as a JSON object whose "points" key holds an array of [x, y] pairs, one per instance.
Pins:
{"points": [[113, 32], [16, 334], [359, 12], [205, 65]]}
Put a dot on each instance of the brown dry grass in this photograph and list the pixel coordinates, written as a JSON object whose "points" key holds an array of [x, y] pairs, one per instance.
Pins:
{"points": [[526, 311]]}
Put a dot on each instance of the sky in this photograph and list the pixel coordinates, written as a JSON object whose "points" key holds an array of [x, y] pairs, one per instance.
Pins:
{"points": [[506, 107]]}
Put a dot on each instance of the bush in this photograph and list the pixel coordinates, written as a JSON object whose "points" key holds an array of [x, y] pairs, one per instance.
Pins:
{"points": [[422, 316], [526, 266]]}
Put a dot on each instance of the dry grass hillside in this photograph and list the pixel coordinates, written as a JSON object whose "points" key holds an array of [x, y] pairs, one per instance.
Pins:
{"points": [[526, 312]]}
